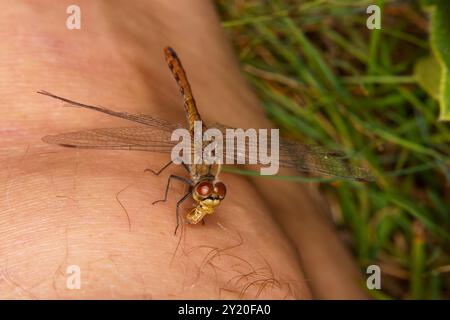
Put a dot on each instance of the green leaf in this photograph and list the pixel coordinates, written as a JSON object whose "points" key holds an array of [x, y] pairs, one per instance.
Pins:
{"points": [[440, 43], [427, 73]]}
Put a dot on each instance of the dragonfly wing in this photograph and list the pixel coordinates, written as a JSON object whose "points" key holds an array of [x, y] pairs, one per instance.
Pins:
{"points": [[313, 160], [128, 138], [139, 118], [320, 161]]}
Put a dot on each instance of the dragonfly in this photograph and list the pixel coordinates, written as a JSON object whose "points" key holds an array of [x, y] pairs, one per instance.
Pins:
{"points": [[205, 188]]}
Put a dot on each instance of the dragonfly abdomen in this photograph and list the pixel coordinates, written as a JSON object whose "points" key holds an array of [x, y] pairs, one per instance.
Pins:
{"points": [[179, 74]]}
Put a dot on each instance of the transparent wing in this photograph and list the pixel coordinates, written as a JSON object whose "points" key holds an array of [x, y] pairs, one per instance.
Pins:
{"points": [[139, 118], [128, 138], [318, 160], [313, 160], [155, 136]]}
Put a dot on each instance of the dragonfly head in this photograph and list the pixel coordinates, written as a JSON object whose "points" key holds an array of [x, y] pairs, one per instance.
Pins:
{"points": [[208, 195]]}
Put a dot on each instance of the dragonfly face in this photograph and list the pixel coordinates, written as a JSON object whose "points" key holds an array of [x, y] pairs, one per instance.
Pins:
{"points": [[208, 194]]}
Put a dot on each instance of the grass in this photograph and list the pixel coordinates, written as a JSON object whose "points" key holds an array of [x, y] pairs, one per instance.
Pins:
{"points": [[325, 79]]}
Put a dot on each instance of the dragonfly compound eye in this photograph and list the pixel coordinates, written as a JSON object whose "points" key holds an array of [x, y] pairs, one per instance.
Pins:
{"points": [[204, 189], [220, 189]]}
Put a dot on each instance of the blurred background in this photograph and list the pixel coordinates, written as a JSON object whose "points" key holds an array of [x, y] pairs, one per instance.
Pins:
{"points": [[382, 96]]}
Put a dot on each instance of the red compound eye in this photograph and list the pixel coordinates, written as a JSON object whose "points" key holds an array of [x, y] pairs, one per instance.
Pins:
{"points": [[204, 188], [220, 189]]}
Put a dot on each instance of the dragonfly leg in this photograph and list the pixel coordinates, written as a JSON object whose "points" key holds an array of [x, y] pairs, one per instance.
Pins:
{"points": [[168, 184], [156, 173], [186, 167], [178, 210]]}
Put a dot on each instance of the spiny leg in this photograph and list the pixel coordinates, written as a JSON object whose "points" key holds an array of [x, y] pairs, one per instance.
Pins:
{"points": [[156, 173], [178, 207], [168, 184]]}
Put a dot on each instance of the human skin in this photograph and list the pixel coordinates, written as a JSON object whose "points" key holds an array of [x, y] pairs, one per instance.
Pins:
{"points": [[93, 208]]}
